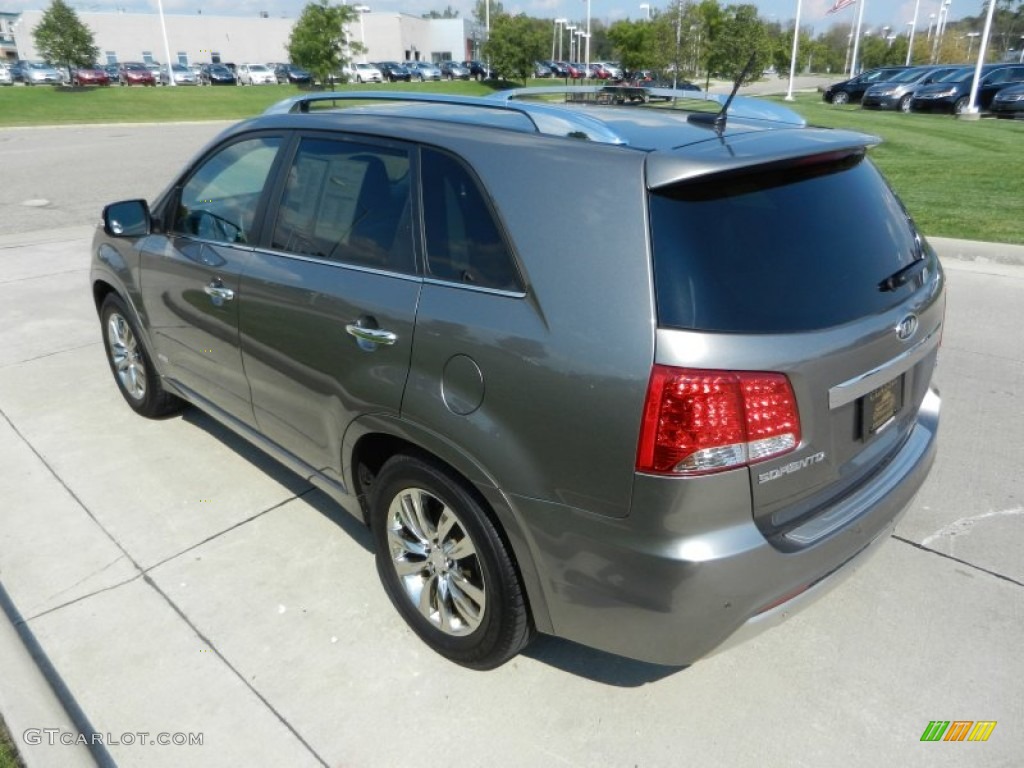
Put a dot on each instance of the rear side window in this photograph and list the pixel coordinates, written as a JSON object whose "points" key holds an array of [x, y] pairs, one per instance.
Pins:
{"points": [[464, 241], [794, 250], [348, 202]]}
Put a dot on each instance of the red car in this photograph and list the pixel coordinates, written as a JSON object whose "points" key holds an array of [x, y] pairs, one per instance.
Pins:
{"points": [[89, 76], [135, 73], [577, 71]]}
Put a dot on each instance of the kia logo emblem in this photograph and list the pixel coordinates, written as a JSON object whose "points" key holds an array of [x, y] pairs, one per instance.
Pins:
{"points": [[907, 327]]}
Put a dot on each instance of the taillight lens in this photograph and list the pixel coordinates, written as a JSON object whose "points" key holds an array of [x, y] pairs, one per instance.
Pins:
{"points": [[697, 421]]}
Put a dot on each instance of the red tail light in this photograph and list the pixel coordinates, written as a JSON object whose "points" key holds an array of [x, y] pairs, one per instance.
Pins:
{"points": [[695, 422]]}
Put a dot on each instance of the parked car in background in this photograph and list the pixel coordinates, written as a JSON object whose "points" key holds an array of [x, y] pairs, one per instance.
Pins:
{"points": [[952, 94], [454, 70], [560, 68], [182, 75], [135, 73], [897, 92], [364, 72], [255, 74], [39, 73], [217, 74], [478, 70], [6, 78], [423, 70], [851, 91], [607, 70], [289, 73], [578, 70], [669, 431], [89, 76], [393, 71], [1009, 102], [543, 69], [113, 72]]}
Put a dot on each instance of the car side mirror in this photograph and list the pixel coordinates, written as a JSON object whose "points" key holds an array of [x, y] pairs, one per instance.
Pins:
{"points": [[129, 218]]}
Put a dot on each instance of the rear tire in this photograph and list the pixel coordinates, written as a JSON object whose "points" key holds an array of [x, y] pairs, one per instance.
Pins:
{"points": [[445, 566], [840, 97], [136, 378]]}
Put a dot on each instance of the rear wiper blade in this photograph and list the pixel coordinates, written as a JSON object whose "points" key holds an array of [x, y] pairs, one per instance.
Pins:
{"points": [[903, 275]]}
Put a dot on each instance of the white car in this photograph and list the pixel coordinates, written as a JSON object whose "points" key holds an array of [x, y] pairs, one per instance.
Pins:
{"points": [[256, 74], [5, 76], [363, 73]]}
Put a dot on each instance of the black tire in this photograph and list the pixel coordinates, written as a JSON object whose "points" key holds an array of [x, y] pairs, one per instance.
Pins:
{"points": [[840, 98], [961, 105], [904, 105], [478, 594], [129, 361]]}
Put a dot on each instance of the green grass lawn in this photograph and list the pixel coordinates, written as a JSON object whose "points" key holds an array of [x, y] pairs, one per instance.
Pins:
{"points": [[958, 178], [8, 754]]}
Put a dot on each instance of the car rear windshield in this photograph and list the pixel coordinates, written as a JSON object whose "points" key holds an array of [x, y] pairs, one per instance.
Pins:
{"points": [[795, 249]]}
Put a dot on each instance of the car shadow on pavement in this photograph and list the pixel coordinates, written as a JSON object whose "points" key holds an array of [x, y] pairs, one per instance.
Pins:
{"points": [[293, 483], [592, 664]]}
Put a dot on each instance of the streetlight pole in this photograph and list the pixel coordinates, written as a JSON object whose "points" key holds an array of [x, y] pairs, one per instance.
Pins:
{"points": [[167, 45], [856, 41], [588, 33], [559, 25], [646, 8], [972, 108], [792, 59], [913, 28]]}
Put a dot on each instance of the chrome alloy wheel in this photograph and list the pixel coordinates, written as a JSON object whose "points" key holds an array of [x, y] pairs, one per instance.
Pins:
{"points": [[436, 561], [126, 355]]}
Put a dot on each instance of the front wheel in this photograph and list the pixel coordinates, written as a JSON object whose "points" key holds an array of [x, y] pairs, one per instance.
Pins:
{"points": [[840, 98], [961, 105], [445, 566], [131, 364], [904, 105]]}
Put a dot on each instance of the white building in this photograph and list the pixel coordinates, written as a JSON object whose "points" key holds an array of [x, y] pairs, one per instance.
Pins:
{"points": [[199, 39]]}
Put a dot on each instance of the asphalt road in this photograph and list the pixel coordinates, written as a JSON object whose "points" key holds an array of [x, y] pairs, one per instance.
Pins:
{"points": [[164, 577]]}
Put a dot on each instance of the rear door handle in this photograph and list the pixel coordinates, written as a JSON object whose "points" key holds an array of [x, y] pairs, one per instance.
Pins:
{"points": [[371, 337], [215, 289]]}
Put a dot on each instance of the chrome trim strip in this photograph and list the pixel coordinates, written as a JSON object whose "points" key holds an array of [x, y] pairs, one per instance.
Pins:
{"points": [[858, 386]]}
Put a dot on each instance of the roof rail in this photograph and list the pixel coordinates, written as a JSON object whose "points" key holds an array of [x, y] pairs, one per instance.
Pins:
{"points": [[743, 107], [548, 119]]}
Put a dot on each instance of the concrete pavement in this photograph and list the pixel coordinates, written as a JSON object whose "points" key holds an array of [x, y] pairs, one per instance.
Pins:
{"points": [[171, 581]]}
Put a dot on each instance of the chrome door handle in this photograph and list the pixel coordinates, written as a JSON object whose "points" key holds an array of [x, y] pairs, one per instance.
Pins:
{"points": [[216, 291], [372, 335]]}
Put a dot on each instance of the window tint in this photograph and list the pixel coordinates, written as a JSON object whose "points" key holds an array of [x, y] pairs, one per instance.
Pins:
{"points": [[464, 242], [797, 250], [219, 201], [348, 202]]}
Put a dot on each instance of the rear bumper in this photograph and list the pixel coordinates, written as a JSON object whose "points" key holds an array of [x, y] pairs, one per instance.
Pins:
{"points": [[678, 578]]}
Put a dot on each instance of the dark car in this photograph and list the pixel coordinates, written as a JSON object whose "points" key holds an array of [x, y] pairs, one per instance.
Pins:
{"points": [[952, 94], [135, 73], [897, 92], [850, 91], [478, 70], [393, 71], [113, 72], [666, 431], [1009, 102], [217, 74], [454, 70], [542, 69], [289, 73], [89, 76]]}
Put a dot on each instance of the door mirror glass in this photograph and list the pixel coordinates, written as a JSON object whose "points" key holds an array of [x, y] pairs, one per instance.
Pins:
{"points": [[129, 218]]}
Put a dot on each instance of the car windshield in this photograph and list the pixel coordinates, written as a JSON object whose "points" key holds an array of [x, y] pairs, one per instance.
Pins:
{"points": [[909, 76], [257, 68], [958, 75]]}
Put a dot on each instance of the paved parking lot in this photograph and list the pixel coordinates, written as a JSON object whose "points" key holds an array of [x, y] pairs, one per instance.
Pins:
{"points": [[169, 579]]}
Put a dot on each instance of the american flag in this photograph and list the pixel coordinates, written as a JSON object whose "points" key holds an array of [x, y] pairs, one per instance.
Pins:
{"points": [[840, 4]]}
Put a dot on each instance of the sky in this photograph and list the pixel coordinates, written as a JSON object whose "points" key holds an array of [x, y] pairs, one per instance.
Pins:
{"points": [[894, 13]]}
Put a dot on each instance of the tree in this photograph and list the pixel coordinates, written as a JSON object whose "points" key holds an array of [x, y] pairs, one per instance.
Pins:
{"points": [[62, 39], [516, 43], [319, 41], [740, 36], [488, 8], [447, 13]]}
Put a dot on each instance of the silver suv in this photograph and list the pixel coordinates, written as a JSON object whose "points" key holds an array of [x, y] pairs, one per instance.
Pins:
{"points": [[652, 426]]}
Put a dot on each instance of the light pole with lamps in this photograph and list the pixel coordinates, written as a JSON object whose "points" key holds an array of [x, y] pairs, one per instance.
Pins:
{"points": [[588, 34], [913, 27], [970, 42], [571, 29], [792, 58], [362, 10], [556, 32], [646, 8], [972, 112], [167, 45]]}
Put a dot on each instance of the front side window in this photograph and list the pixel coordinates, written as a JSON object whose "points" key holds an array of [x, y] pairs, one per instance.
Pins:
{"points": [[464, 241], [348, 202], [219, 201]]}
